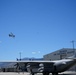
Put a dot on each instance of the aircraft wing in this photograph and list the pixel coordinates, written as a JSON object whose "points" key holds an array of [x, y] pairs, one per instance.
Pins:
{"points": [[29, 61], [32, 63]]}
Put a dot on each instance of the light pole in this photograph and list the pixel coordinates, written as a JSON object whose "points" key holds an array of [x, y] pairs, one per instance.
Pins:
{"points": [[73, 45], [73, 49], [20, 56]]}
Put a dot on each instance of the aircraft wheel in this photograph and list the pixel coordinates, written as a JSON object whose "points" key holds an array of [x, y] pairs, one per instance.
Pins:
{"points": [[31, 73], [45, 73], [54, 73]]}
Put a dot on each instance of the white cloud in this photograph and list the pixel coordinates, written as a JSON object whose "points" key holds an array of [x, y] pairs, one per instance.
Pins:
{"points": [[36, 52], [33, 52]]}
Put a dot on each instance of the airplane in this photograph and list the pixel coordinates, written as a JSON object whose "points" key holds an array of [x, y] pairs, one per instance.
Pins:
{"points": [[11, 35], [47, 66]]}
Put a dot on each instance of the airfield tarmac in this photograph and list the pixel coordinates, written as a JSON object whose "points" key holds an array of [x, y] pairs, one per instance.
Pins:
{"points": [[26, 73]]}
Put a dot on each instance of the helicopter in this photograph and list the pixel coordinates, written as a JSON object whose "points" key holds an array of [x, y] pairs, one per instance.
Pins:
{"points": [[11, 35]]}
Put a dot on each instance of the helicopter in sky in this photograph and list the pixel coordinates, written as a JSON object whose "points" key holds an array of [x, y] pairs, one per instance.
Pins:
{"points": [[11, 35]]}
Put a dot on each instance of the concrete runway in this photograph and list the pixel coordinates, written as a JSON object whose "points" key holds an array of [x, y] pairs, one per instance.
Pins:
{"points": [[26, 73]]}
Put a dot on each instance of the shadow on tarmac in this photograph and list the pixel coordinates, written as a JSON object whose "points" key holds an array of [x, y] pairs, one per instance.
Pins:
{"points": [[68, 73], [26, 73]]}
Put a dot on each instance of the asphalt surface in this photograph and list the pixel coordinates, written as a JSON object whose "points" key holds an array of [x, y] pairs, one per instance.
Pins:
{"points": [[26, 73]]}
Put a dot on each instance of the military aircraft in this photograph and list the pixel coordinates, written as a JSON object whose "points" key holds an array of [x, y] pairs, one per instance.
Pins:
{"points": [[11, 35], [46, 66]]}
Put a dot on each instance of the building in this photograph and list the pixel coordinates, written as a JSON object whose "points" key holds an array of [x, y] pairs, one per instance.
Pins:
{"points": [[61, 54]]}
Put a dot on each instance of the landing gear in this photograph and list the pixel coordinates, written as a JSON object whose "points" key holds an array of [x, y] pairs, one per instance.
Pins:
{"points": [[31, 73], [45, 73], [55, 73]]}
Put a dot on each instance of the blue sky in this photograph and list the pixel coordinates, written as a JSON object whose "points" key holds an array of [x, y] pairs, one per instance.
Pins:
{"points": [[40, 27]]}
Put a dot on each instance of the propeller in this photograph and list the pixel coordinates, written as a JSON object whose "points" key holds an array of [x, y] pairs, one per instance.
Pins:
{"points": [[21, 67], [17, 67]]}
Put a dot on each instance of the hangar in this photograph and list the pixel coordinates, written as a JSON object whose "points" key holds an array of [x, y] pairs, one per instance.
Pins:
{"points": [[61, 54]]}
